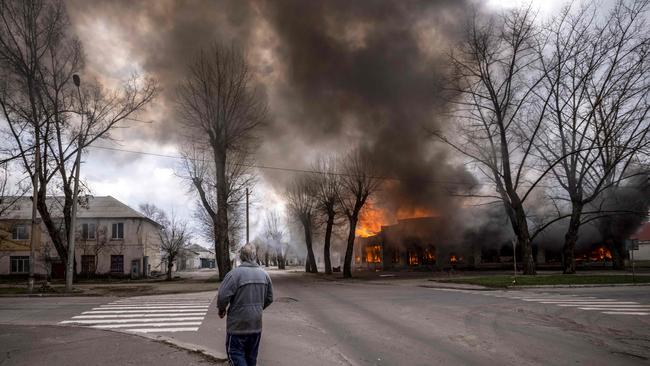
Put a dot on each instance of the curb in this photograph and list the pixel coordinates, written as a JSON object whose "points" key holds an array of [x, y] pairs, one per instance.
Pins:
{"points": [[189, 347], [74, 294], [207, 352], [580, 285], [484, 288], [478, 288]]}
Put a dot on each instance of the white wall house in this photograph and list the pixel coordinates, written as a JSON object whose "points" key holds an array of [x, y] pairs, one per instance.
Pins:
{"points": [[111, 238], [643, 237], [195, 257]]}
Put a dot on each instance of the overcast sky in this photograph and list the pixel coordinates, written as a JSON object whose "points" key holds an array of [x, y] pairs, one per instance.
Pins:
{"points": [[335, 74]]}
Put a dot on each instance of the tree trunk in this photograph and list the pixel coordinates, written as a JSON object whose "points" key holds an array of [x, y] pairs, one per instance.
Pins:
{"points": [[280, 257], [221, 229], [310, 265], [347, 264], [170, 264], [523, 239], [326, 247], [53, 229], [570, 240]]}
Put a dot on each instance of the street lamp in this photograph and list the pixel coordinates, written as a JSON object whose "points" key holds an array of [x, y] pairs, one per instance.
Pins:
{"points": [[69, 273]]}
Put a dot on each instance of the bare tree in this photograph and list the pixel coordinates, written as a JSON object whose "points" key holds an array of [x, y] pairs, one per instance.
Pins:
{"points": [[275, 236], [496, 75], [326, 187], [358, 181], [598, 80], [219, 104], [302, 205], [174, 239], [50, 119], [154, 213], [10, 192], [199, 170]]}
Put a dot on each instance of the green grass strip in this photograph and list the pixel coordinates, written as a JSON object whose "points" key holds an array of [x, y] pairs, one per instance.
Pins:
{"points": [[501, 281]]}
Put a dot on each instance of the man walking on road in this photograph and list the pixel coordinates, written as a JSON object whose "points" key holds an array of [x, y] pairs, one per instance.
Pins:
{"points": [[248, 291]]}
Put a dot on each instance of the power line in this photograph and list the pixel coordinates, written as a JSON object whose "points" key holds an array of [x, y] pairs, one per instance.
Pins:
{"points": [[292, 170]]}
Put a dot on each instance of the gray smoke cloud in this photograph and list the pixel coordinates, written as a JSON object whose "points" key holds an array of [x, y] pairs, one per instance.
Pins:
{"points": [[337, 74]]}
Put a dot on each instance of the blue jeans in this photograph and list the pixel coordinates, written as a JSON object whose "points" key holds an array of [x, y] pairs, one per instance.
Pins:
{"points": [[242, 348]]}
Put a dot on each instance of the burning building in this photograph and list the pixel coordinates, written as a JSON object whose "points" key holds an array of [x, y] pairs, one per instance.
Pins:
{"points": [[422, 242], [439, 243]]}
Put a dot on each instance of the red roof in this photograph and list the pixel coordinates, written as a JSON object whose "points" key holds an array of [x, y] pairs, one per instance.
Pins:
{"points": [[643, 233]]}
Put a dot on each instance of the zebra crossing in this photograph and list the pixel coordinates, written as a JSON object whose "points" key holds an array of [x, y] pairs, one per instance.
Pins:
{"points": [[148, 314], [586, 303]]}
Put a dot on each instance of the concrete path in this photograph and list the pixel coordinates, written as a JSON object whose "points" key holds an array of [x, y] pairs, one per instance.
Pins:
{"points": [[33, 345]]}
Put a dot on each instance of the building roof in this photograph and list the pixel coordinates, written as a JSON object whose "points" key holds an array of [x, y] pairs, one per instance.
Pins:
{"points": [[643, 234], [103, 207]]}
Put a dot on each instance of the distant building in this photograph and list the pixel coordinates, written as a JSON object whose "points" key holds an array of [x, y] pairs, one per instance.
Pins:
{"points": [[643, 236], [111, 239], [195, 257]]}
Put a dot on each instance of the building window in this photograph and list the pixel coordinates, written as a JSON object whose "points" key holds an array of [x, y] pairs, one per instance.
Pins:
{"points": [[118, 231], [19, 264], [88, 231], [414, 259], [117, 264], [20, 232], [396, 256], [88, 264]]}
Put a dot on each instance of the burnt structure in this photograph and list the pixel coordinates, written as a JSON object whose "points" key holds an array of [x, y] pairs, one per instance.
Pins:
{"points": [[416, 243], [432, 243]]}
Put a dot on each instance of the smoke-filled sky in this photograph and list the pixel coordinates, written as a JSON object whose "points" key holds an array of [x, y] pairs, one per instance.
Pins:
{"points": [[335, 74]]}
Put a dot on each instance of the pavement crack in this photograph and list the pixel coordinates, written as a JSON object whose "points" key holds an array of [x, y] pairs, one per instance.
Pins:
{"points": [[629, 354]]}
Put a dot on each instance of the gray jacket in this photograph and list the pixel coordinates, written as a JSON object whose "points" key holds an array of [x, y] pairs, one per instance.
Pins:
{"points": [[248, 290]]}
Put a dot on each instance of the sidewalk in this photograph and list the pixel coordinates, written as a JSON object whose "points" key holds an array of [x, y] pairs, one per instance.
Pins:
{"points": [[74, 346], [196, 281]]}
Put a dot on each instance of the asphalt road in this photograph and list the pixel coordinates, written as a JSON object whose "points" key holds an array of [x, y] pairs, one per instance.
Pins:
{"points": [[322, 322], [378, 324]]}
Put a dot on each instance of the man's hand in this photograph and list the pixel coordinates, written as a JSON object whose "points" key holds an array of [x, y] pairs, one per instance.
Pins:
{"points": [[222, 313]]}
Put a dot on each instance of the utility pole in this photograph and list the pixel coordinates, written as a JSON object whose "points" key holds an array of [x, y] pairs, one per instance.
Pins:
{"points": [[69, 273], [514, 258], [247, 227], [35, 227]]}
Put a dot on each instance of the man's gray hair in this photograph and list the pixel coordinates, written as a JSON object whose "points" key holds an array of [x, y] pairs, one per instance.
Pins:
{"points": [[248, 253]]}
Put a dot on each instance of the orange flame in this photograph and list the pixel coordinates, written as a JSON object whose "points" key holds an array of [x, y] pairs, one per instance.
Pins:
{"points": [[414, 259], [372, 219], [414, 213], [601, 254], [373, 254], [370, 222]]}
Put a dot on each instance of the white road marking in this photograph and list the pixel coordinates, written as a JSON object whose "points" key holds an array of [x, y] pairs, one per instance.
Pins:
{"points": [[605, 305], [158, 301], [135, 315], [156, 325], [624, 313], [161, 330], [589, 302], [119, 321], [564, 299], [615, 309], [207, 303], [138, 311], [147, 314], [151, 307]]}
